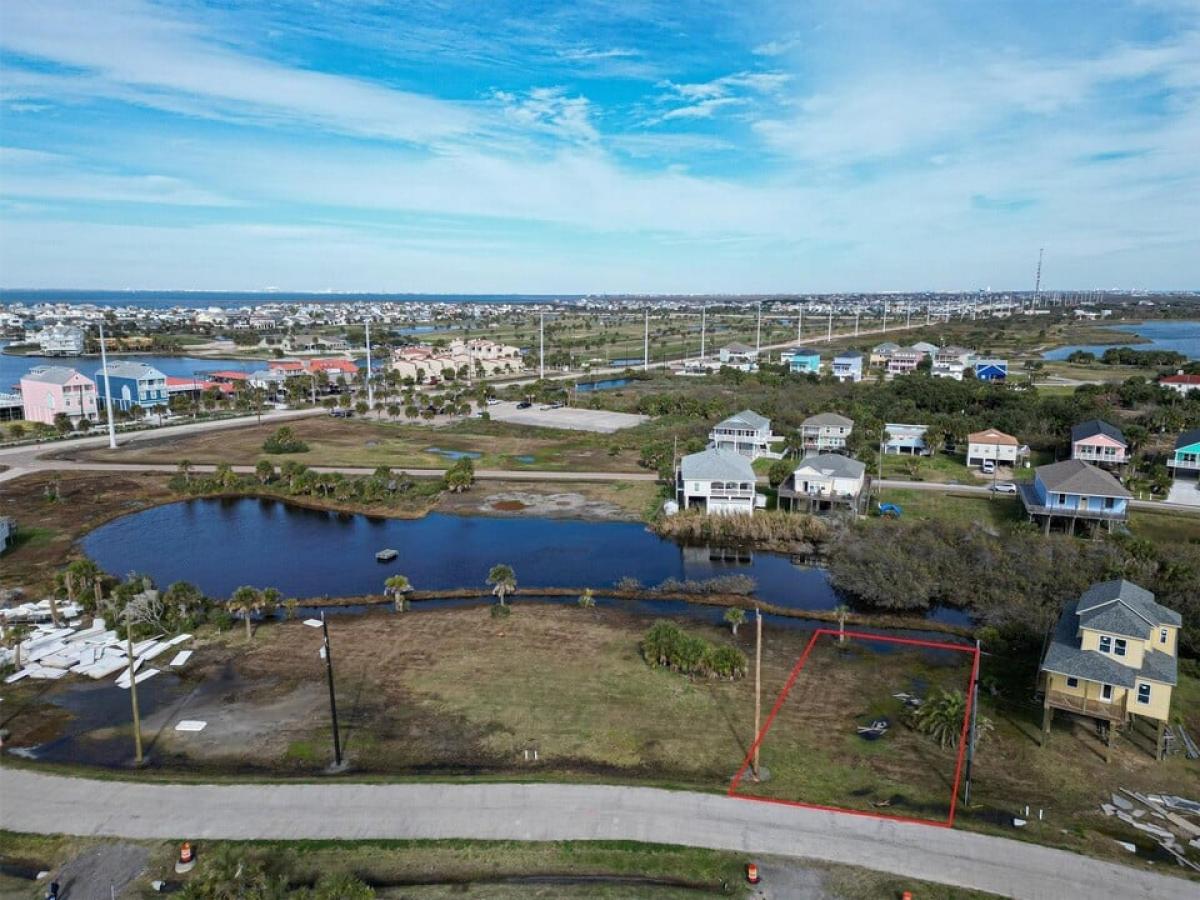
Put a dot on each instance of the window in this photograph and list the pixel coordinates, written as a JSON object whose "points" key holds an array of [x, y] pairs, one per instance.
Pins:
{"points": [[1105, 644], [1072, 682], [1163, 636], [1106, 693], [1119, 647], [1143, 693], [1062, 499], [1109, 503]]}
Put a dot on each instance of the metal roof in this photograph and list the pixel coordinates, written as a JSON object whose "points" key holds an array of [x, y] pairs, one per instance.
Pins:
{"points": [[747, 418], [52, 374], [134, 370], [1074, 476], [821, 420], [833, 465], [1093, 427], [716, 465]]}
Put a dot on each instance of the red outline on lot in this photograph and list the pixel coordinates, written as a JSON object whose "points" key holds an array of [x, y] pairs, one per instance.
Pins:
{"points": [[862, 635]]}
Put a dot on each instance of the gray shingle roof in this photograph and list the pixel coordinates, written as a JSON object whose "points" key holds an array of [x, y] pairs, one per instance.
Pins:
{"points": [[833, 465], [133, 370], [716, 465], [849, 355], [1115, 618], [51, 374], [736, 347], [827, 419], [747, 418], [1074, 476], [1136, 598], [1160, 667], [1188, 438], [1064, 657], [1093, 427]]}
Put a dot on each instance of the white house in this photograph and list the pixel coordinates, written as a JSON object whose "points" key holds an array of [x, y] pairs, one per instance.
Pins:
{"points": [[746, 433], [900, 438], [739, 356], [823, 480], [847, 367], [720, 482], [1180, 383], [825, 431], [992, 444], [61, 340]]}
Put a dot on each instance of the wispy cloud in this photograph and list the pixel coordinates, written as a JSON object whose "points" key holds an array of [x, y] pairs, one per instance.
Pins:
{"points": [[590, 54], [701, 100], [551, 111]]}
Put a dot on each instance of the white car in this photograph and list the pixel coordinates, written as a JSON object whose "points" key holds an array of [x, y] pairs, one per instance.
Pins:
{"points": [[1004, 487]]}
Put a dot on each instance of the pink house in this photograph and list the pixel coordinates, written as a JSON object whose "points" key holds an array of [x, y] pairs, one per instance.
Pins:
{"points": [[1099, 443], [47, 391]]}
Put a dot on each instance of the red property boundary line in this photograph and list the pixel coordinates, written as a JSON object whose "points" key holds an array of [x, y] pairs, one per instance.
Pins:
{"points": [[948, 822]]}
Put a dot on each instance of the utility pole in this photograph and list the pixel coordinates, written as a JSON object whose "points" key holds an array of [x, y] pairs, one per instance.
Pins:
{"points": [[757, 683], [370, 388], [703, 327], [829, 330], [885, 315], [108, 406], [856, 322], [758, 331], [800, 325], [971, 734], [337, 743], [542, 346], [907, 316], [646, 342], [926, 315], [137, 719]]}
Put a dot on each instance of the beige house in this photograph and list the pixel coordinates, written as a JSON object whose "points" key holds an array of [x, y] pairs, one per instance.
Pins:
{"points": [[994, 445], [1113, 658], [477, 356]]}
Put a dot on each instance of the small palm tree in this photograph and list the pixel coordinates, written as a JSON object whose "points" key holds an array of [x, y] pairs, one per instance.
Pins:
{"points": [[13, 636], [396, 587], [735, 616], [185, 469], [244, 602], [271, 598], [587, 599], [941, 717], [503, 580], [841, 611], [290, 605]]}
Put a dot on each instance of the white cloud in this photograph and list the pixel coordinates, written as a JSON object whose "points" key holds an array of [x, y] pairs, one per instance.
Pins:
{"points": [[701, 100], [591, 54], [551, 111]]}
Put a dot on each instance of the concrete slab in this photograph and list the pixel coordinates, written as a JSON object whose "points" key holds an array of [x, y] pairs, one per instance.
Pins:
{"points": [[1185, 491], [570, 418]]}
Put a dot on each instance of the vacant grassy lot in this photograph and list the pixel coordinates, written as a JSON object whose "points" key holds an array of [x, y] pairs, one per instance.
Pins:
{"points": [[358, 442], [965, 509]]}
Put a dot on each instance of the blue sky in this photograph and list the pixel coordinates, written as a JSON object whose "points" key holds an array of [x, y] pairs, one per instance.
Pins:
{"points": [[638, 146]]}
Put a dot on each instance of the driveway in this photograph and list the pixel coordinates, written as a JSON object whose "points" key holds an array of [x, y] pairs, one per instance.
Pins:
{"points": [[50, 804]]}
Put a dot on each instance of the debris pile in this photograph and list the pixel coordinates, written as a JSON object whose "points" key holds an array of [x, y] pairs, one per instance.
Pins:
{"points": [[1171, 830]]}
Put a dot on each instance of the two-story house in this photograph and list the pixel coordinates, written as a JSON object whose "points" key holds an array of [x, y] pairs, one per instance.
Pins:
{"points": [[746, 433], [719, 482], [881, 353], [47, 391], [739, 356], [992, 445], [904, 361], [822, 482], [1180, 383], [900, 439], [804, 362], [132, 384], [1100, 443], [1186, 455], [61, 340], [1113, 655], [1071, 491], [824, 432], [847, 367]]}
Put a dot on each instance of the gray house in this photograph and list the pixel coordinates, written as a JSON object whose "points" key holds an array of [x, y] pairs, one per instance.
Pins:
{"points": [[717, 481], [746, 432], [8, 530]]}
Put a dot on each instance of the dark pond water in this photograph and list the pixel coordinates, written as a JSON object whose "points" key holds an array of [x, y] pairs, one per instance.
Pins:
{"points": [[454, 454], [221, 544], [1182, 337], [607, 384]]}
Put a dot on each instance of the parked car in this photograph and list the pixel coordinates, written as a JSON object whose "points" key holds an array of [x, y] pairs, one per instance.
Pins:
{"points": [[492, 401], [524, 404], [341, 413], [989, 466], [1004, 487]]}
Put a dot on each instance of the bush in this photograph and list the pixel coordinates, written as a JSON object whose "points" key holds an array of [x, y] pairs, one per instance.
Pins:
{"points": [[501, 611], [669, 646], [284, 440]]}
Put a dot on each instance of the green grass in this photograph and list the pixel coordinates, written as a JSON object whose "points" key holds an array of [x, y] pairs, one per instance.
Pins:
{"points": [[943, 467], [961, 509], [31, 536], [1164, 526]]}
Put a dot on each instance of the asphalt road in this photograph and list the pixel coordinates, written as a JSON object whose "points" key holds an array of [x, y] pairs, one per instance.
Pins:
{"points": [[49, 804]]}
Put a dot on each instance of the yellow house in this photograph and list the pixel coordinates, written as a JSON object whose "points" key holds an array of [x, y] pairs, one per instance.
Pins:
{"points": [[1113, 658]]}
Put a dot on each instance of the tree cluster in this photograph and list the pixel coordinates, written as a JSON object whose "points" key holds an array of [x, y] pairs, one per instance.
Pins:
{"points": [[668, 646]]}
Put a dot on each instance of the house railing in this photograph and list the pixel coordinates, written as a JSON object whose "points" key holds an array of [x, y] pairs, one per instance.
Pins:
{"points": [[1114, 711], [1190, 464]]}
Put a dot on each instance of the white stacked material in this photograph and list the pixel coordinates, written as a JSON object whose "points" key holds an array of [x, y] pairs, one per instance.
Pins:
{"points": [[191, 725], [123, 681], [45, 672], [17, 676], [142, 646], [154, 650], [111, 660], [180, 658], [178, 639]]}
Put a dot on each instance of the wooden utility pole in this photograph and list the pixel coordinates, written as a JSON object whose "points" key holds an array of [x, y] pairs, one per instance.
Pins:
{"points": [[757, 684], [137, 719]]}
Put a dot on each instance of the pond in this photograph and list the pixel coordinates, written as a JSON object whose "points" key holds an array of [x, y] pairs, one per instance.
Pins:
{"points": [[454, 454], [1182, 337], [219, 544], [607, 384]]}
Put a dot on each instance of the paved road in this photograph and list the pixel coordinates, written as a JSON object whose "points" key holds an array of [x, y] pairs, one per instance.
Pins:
{"points": [[48, 804]]}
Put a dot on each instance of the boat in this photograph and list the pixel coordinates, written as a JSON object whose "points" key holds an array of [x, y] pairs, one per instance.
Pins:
{"points": [[387, 555]]}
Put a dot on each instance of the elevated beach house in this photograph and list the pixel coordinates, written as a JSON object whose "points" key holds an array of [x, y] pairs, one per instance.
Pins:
{"points": [[738, 356], [1099, 443], [47, 391], [1186, 455], [746, 433], [1071, 491], [994, 445], [1112, 658], [823, 482], [132, 384], [905, 439], [804, 362], [717, 481], [847, 367], [825, 431]]}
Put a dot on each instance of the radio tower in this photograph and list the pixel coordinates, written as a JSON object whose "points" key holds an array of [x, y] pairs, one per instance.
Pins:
{"points": [[1037, 281]]}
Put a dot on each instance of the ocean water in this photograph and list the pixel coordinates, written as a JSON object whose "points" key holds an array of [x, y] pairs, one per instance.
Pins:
{"points": [[204, 299], [1180, 336]]}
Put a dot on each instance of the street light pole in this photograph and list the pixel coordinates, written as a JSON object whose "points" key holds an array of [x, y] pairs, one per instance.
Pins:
{"points": [[108, 397], [337, 743]]}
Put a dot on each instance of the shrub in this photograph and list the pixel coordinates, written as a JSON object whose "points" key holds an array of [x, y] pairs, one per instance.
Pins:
{"points": [[284, 440], [669, 646]]}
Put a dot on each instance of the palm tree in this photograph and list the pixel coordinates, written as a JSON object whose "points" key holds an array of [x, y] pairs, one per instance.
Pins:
{"points": [[396, 587], [244, 602], [503, 580], [841, 611], [86, 574], [941, 717], [185, 469], [271, 598], [290, 605], [735, 616], [184, 597], [264, 470], [587, 599], [14, 634]]}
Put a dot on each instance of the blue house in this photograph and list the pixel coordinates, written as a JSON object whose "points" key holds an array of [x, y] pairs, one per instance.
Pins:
{"points": [[1074, 490], [1186, 456], [991, 369], [132, 384], [848, 367], [801, 361]]}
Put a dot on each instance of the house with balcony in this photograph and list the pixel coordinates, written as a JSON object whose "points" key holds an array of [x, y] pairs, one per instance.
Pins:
{"points": [[716, 481], [61, 340], [991, 369], [739, 356], [847, 367], [802, 362], [904, 361], [1185, 458], [1113, 658], [881, 353], [950, 362], [1099, 443], [992, 445], [1180, 383], [825, 482], [47, 391], [132, 384], [899, 439], [824, 432], [746, 433], [1072, 491]]}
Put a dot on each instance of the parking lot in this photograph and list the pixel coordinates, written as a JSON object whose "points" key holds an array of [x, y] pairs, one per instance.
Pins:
{"points": [[574, 419]]}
